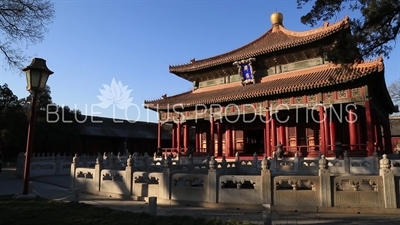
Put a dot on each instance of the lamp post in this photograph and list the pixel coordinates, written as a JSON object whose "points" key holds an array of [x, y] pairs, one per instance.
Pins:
{"points": [[37, 74]]}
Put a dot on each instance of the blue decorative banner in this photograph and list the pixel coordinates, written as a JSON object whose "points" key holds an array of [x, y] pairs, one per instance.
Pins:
{"points": [[246, 71]]}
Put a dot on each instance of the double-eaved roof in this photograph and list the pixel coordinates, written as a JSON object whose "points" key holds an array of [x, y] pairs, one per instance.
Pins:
{"points": [[275, 39]]}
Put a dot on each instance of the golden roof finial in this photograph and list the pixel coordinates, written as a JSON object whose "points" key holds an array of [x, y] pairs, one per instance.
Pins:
{"points": [[277, 18]]}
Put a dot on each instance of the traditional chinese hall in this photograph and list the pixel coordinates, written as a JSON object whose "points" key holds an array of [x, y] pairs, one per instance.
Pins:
{"points": [[280, 92]]}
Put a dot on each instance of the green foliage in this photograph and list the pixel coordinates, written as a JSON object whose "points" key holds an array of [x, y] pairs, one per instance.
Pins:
{"points": [[41, 211], [373, 32], [52, 132]]}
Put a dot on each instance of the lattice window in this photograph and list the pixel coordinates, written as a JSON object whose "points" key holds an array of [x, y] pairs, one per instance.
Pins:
{"points": [[239, 134], [204, 136], [310, 132], [292, 131], [356, 92], [311, 98], [342, 94], [286, 101], [299, 100], [329, 96]]}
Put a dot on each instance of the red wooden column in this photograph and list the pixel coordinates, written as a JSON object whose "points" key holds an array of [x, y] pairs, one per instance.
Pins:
{"points": [[374, 127], [244, 132], [185, 136], [267, 137], [282, 132], [233, 152], [197, 139], [273, 133], [322, 144], [201, 139], [370, 128], [178, 136], [352, 128], [173, 133], [219, 139], [379, 131], [332, 132], [358, 124], [159, 135], [326, 132], [212, 141], [228, 140], [387, 137]]}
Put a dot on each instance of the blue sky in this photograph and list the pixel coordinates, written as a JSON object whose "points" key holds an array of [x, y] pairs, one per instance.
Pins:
{"points": [[92, 42]]}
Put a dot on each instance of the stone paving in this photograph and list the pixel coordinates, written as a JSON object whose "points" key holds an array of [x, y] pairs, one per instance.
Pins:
{"points": [[57, 187]]}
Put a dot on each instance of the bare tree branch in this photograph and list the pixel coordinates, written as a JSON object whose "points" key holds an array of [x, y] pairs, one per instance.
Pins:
{"points": [[22, 22], [394, 91]]}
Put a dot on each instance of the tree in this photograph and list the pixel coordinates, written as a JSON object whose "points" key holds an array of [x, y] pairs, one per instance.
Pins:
{"points": [[56, 126], [7, 97], [22, 22], [373, 32], [394, 91]]}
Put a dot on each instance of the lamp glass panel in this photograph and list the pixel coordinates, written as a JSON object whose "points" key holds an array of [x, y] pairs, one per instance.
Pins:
{"points": [[35, 78], [43, 80], [28, 80]]}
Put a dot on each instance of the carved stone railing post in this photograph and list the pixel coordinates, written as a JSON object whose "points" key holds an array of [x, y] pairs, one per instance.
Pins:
{"points": [[155, 156], [296, 163], [167, 161], [389, 189], [20, 165], [97, 172], [57, 164], [324, 183], [208, 161], [266, 181], [129, 169], [74, 165], [105, 159], [191, 164], [255, 161], [212, 181], [178, 157], [113, 161], [237, 162], [274, 163], [135, 159], [146, 162], [376, 162], [224, 164], [165, 183], [346, 162], [84, 160]]}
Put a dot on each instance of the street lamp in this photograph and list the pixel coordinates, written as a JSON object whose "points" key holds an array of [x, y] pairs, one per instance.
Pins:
{"points": [[37, 74]]}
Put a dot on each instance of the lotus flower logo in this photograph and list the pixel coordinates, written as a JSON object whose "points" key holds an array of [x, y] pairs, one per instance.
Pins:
{"points": [[116, 94]]}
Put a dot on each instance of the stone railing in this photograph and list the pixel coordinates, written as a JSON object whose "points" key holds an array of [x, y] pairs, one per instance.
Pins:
{"points": [[331, 184], [60, 164]]}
